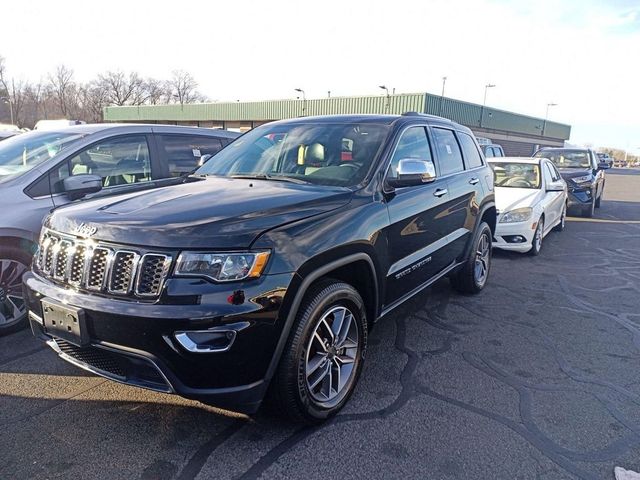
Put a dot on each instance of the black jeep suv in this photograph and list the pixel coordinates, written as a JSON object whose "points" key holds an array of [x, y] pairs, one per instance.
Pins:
{"points": [[264, 272]]}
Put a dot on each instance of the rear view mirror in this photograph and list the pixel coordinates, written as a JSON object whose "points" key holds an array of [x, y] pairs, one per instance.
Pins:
{"points": [[412, 171], [77, 186], [604, 166], [203, 159]]}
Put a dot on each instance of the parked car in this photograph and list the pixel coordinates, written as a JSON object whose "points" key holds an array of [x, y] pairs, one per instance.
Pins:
{"points": [[585, 177], [605, 158], [8, 130], [531, 200], [490, 149], [267, 269], [42, 170]]}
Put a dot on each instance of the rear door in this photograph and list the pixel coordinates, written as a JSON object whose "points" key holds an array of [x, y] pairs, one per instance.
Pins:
{"points": [[461, 163], [419, 217], [180, 154]]}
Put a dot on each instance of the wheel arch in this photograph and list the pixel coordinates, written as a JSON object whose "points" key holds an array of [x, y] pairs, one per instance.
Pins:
{"points": [[346, 268]]}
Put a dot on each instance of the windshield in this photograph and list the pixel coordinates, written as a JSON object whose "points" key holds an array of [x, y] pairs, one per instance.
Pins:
{"points": [[566, 158], [516, 175], [322, 154], [23, 152]]}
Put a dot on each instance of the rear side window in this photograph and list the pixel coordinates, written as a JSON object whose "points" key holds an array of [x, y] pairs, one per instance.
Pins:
{"points": [[471, 153], [449, 155], [183, 152]]}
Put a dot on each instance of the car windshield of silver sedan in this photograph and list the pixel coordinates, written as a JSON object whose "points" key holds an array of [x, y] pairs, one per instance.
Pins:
{"points": [[22, 152], [316, 153], [516, 175], [566, 159]]}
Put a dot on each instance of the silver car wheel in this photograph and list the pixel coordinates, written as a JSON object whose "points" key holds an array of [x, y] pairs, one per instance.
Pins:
{"points": [[331, 355], [12, 304]]}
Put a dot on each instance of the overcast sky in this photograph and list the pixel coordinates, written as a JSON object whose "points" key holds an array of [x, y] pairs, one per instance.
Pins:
{"points": [[583, 55]]}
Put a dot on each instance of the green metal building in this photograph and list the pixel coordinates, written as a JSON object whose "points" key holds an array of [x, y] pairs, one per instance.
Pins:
{"points": [[518, 134]]}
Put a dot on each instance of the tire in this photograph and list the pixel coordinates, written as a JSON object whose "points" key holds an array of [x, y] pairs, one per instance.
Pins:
{"points": [[301, 389], [563, 216], [538, 236], [468, 278], [599, 200], [589, 210], [13, 312]]}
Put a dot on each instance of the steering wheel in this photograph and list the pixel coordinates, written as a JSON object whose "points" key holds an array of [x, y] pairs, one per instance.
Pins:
{"points": [[517, 182]]}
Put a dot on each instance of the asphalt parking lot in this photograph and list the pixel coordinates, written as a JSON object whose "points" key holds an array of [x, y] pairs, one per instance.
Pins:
{"points": [[536, 378]]}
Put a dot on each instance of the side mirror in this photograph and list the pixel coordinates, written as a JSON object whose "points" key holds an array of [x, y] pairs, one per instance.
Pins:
{"points": [[412, 172], [555, 187], [77, 186], [604, 166]]}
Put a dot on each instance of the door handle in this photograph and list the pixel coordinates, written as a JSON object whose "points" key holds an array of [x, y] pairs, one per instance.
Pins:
{"points": [[440, 192], [474, 181]]}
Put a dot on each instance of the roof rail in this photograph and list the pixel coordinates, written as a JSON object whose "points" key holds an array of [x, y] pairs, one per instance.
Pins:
{"points": [[413, 114]]}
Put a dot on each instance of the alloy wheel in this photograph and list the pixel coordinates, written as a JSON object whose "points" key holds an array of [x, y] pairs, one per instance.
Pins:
{"points": [[331, 355], [483, 253], [538, 235], [12, 304]]}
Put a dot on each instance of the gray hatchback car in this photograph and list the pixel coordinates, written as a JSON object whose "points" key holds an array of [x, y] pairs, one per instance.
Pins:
{"points": [[43, 170]]}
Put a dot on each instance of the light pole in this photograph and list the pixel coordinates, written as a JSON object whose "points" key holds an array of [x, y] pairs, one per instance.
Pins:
{"points": [[8, 101], [546, 115], [486, 87], [444, 81], [484, 101], [383, 87], [304, 101]]}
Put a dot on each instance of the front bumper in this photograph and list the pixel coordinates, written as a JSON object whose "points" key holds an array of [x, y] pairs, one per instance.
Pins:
{"points": [[579, 197], [134, 342], [516, 237]]}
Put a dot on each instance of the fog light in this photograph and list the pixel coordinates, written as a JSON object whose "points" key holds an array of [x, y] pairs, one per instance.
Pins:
{"points": [[514, 238], [206, 341]]}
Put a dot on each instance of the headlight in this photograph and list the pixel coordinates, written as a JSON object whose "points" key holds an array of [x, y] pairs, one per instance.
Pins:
{"points": [[517, 215], [583, 179], [222, 267]]}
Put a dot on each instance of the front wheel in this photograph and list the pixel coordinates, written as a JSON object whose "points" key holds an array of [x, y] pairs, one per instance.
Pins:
{"points": [[13, 310], [599, 200], [324, 354], [536, 243], [473, 275], [590, 209], [563, 217]]}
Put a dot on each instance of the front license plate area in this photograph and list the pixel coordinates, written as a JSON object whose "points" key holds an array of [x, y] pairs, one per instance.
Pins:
{"points": [[65, 322]]}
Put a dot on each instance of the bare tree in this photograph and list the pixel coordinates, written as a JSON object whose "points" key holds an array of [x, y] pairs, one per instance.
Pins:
{"points": [[184, 88], [13, 92], [121, 89], [63, 88], [93, 99], [158, 92]]}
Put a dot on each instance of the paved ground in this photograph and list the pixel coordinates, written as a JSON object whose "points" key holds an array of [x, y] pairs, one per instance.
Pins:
{"points": [[536, 378]]}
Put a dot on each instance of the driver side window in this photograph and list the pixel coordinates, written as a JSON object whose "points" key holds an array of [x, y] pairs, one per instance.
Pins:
{"points": [[413, 143], [119, 161]]}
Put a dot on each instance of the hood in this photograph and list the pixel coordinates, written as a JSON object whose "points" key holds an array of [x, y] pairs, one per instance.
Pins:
{"points": [[508, 199], [212, 213], [569, 173]]}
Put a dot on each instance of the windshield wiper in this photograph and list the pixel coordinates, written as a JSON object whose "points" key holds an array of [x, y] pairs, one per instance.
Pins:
{"points": [[264, 176]]}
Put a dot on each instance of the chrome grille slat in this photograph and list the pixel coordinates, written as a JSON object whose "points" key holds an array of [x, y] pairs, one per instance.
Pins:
{"points": [[123, 271], [61, 259], [152, 273], [103, 268]]}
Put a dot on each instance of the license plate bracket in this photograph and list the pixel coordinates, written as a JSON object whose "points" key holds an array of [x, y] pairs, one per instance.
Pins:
{"points": [[65, 322]]}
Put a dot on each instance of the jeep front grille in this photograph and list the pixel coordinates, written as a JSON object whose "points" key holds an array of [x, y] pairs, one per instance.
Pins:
{"points": [[98, 267]]}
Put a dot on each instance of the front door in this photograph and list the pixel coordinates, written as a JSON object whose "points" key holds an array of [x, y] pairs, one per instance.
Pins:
{"points": [[419, 215]]}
